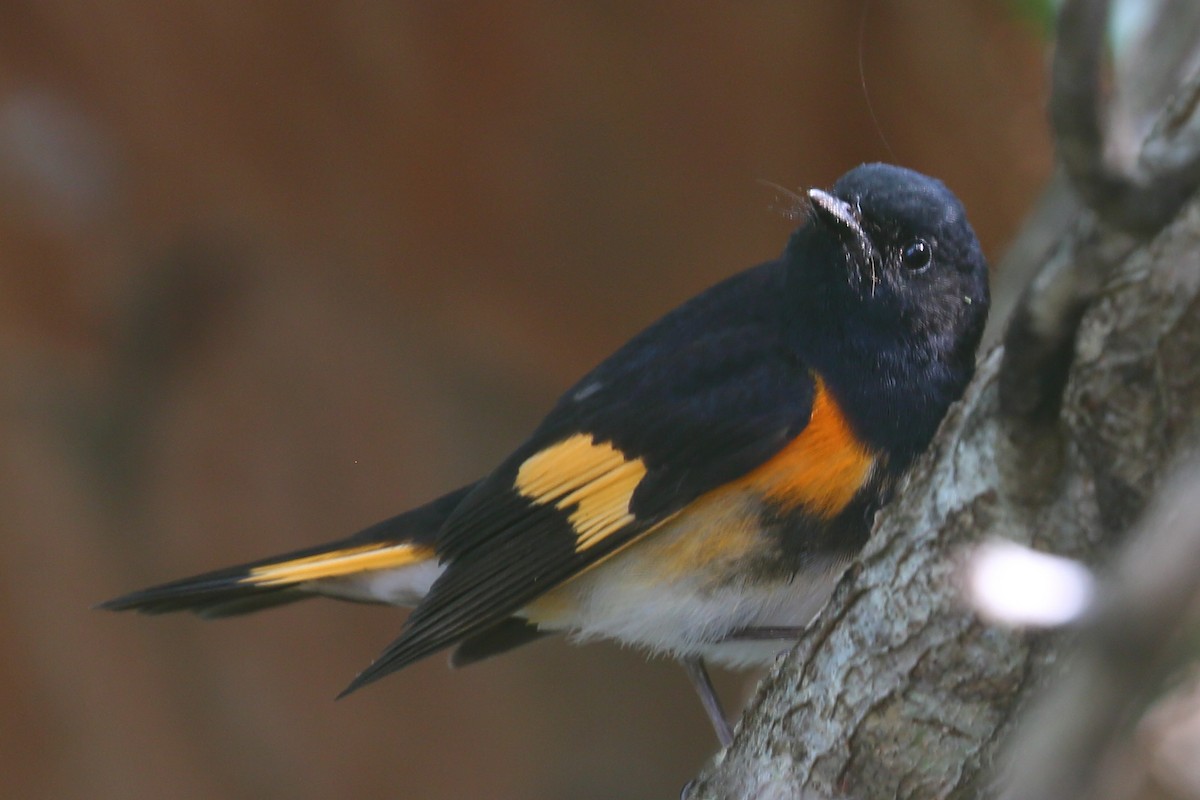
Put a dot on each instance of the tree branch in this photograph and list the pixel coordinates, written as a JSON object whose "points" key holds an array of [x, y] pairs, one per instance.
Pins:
{"points": [[897, 688], [1134, 201], [1138, 198]]}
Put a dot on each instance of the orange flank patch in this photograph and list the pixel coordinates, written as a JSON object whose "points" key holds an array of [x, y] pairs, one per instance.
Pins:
{"points": [[822, 468], [336, 563], [594, 477], [710, 536]]}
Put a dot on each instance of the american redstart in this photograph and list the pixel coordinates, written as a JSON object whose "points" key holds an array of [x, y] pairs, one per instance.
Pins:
{"points": [[699, 493]]}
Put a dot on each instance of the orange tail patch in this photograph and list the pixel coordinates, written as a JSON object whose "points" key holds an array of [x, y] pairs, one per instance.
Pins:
{"points": [[337, 563]]}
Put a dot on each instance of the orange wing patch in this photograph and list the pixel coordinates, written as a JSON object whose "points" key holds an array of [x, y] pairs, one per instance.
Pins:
{"points": [[596, 478], [337, 563], [822, 468]]}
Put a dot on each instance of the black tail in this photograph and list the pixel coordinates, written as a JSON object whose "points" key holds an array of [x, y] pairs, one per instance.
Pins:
{"points": [[402, 540]]}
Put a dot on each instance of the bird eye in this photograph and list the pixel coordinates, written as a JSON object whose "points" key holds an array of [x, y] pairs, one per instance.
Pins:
{"points": [[916, 255]]}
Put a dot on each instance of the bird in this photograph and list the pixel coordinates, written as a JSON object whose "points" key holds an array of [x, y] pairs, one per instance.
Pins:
{"points": [[700, 492]]}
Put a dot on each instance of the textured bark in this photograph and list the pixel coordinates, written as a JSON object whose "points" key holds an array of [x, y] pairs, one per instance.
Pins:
{"points": [[899, 689]]}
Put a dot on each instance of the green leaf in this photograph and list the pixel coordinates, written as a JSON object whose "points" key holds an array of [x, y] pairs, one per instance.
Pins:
{"points": [[1039, 12]]}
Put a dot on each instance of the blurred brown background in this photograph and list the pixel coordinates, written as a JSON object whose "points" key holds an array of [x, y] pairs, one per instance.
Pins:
{"points": [[272, 271]]}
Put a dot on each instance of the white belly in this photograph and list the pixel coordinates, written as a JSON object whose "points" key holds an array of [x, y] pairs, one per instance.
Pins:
{"points": [[683, 619], [680, 592], [682, 610]]}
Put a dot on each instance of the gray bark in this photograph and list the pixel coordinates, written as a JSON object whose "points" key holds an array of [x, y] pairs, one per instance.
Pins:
{"points": [[898, 689]]}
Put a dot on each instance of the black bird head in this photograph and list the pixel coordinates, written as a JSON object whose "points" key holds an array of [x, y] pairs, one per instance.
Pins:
{"points": [[891, 251], [887, 275]]}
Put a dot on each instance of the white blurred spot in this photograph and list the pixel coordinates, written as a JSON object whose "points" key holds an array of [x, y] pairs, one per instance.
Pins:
{"points": [[1014, 585]]}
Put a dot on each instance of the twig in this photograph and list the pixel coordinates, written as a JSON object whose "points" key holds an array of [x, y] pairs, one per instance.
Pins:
{"points": [[1040, 340], [1140, 204]]}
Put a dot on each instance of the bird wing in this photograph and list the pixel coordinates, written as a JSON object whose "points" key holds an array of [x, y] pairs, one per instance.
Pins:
{"points": [[700, 399]]}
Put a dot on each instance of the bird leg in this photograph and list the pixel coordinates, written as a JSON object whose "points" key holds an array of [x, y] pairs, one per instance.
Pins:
{"points": [[696, 672], [763, 634], [694, 667]]}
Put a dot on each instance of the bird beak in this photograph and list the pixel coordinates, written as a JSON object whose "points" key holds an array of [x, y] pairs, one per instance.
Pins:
{"points": [[843, 221], [841, 214]]}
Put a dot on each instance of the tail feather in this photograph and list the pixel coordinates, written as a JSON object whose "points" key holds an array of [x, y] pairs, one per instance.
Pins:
{"points": [[401, 541], [209, 602]]}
